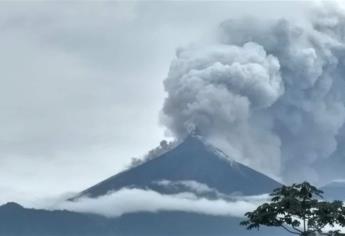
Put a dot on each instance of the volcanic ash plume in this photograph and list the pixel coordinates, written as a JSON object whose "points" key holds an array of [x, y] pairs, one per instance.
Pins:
{"points": [[271, 94]]}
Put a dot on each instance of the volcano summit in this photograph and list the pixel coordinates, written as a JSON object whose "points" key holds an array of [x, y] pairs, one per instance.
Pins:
{"points": [[192, 165]]}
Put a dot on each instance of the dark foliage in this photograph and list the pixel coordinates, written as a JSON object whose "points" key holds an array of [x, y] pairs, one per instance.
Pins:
{"points": [[299, 209]]}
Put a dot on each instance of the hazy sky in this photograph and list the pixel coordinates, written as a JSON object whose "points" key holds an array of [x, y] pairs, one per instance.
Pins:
{"points": [[81, 84]]}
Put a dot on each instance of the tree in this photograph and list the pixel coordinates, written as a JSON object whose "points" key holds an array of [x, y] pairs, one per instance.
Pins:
{"points": [[298, 209]]}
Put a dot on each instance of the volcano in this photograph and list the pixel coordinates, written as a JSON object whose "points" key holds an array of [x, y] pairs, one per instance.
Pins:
{"points": [[191, 163], [192, 166]]}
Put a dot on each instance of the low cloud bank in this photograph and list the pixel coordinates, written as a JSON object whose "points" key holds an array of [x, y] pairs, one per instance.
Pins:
{"points": [[191, 185], [138, 200]]}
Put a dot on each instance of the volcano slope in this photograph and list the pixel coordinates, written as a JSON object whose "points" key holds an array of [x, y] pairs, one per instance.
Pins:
{"points": [[192, 161]]}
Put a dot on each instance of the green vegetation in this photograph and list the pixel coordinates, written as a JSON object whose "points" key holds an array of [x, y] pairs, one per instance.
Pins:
{"points": [[299, 209]]}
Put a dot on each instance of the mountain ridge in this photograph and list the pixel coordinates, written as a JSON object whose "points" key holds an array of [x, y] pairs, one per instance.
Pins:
{"points": [[34, 222]]}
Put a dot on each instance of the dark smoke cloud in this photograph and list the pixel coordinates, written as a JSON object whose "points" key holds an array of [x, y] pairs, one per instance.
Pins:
{"points": [[269, 93]]}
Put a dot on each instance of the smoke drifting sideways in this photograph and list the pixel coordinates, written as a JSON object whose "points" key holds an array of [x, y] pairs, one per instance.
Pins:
{"points": [[271, 94]]}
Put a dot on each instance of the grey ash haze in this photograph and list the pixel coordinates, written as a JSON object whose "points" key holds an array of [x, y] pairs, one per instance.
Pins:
{"points": [[83, 86], [269, 92]]}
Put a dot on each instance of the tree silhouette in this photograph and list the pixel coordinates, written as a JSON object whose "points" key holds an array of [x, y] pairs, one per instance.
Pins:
{"points": [[299, 209]]}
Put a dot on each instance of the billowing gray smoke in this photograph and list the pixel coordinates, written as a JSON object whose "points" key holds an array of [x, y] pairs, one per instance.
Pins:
{"points": [[270, 94]]}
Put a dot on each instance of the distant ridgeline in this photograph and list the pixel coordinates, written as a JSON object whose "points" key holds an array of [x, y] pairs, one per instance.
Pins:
{"points": [[17, 221]]}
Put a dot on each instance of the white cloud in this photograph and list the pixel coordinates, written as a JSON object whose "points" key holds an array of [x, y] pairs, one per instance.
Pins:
{"points": [[139, 200], [190, 184]]}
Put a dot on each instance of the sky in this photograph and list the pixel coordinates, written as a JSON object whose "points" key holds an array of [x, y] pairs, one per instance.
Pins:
{"points": [[82, 84]]}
